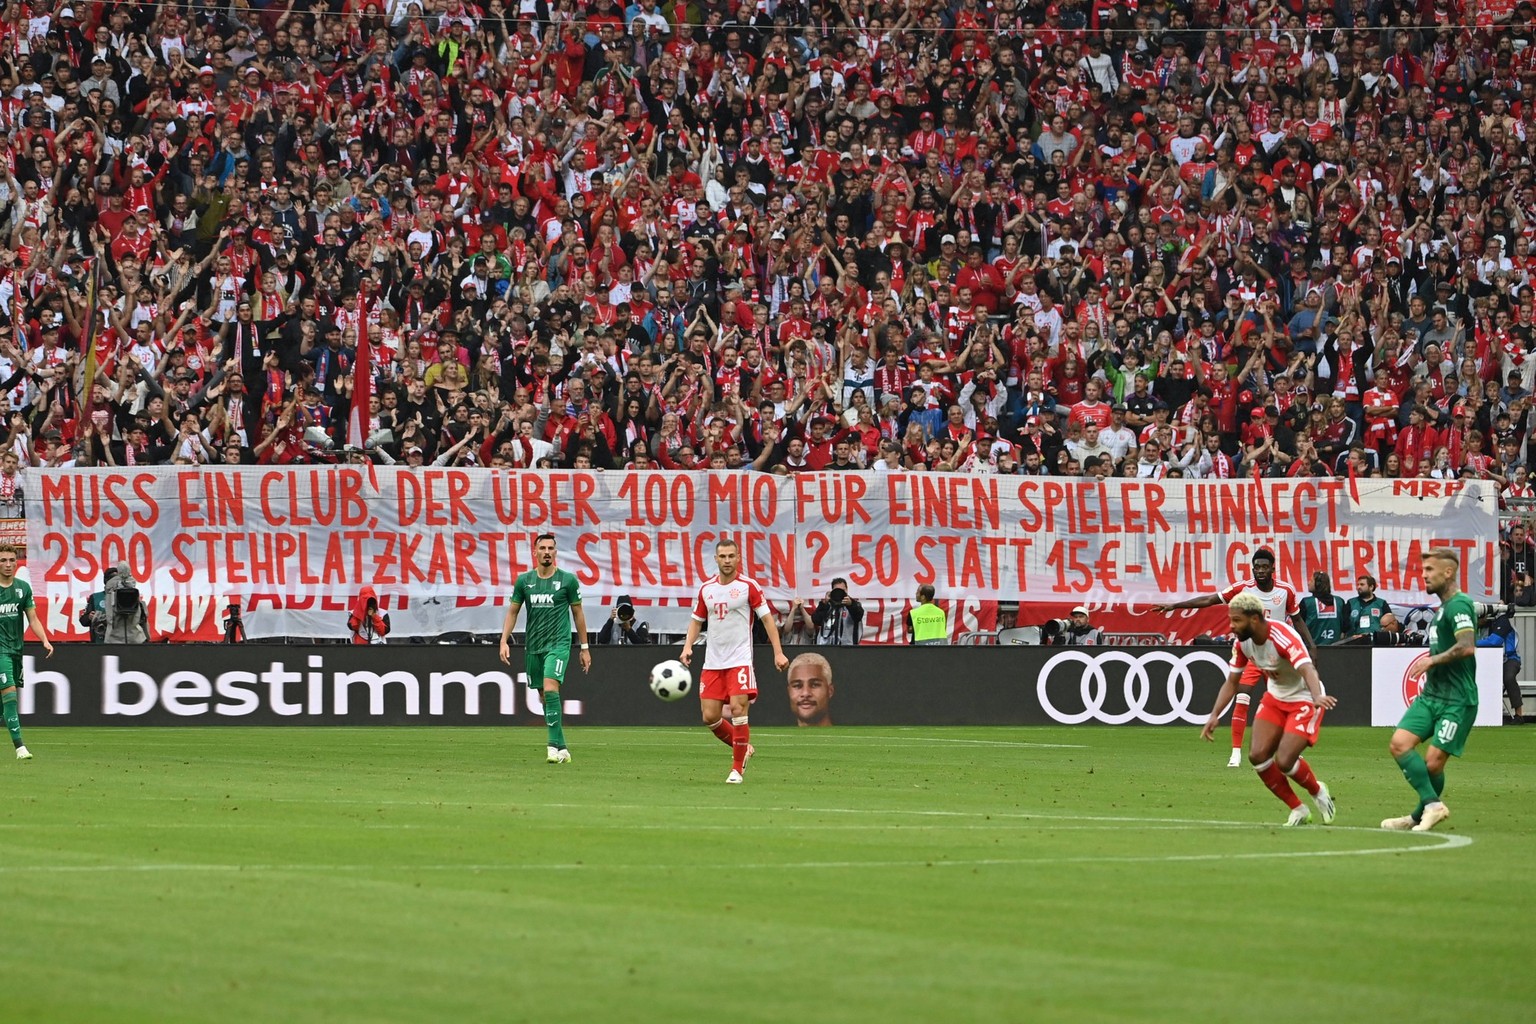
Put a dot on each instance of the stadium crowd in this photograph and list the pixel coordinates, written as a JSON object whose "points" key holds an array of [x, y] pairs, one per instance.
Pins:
{"points": [[1202, 239]]}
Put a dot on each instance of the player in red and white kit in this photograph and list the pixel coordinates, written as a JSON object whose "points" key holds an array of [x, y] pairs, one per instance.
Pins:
{"points": [[1280, 602], [726, 604], [1291, 713]]}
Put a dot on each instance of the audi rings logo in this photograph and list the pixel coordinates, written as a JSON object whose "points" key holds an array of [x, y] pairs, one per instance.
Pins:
{"points": [[1160, 702]]}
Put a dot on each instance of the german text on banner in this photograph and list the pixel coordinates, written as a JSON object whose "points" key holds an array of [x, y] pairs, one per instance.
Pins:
{"points": [[254, 533]]}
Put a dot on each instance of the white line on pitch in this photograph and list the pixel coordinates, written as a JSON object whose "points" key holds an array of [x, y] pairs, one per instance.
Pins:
{"points": [[1442, 842], [565, 826], [843, 738]]}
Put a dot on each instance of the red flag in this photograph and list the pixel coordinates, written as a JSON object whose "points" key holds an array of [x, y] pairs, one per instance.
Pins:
{"points": [[362, 378], [1354, 482], [1258, 490]]}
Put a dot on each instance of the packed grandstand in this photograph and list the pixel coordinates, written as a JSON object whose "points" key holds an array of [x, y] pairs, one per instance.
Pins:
{"points": [[1207, 240]]}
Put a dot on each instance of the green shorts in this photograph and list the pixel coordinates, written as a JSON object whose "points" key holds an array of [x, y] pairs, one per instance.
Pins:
{"points": [[1444, 724], [544, 665], [10, 671]]}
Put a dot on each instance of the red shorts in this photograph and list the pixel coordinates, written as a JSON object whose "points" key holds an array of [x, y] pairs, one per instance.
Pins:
{"points": [[721, 683], [1301, 717], [1252, 675]]}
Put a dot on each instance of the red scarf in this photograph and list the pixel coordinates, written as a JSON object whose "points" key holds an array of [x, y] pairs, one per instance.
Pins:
{"points": [[1512, 348]]}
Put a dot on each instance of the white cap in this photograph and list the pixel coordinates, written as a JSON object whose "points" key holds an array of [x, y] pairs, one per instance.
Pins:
{"points": [[1080, 610]]}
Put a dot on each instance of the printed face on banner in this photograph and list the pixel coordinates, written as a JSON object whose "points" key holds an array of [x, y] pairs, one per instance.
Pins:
{"points": [[275, 535]]}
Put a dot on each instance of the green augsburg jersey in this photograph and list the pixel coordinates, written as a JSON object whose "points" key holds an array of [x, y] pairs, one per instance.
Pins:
{"points": [[1324, 619], [15, 599], [548, 603], [1455, 683]]}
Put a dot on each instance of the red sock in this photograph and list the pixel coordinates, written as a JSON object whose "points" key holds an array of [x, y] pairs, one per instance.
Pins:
{"points": [[739, 747], [1239, 720], [1278, 784], [724, 732], [1301, 774]]}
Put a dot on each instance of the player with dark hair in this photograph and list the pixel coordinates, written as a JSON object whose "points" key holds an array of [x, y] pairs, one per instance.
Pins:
{"points": [[1291, 711], [1366, 613], [17, 611], [1280, 603], [1445, 709], [727, 602], [553, 597]]}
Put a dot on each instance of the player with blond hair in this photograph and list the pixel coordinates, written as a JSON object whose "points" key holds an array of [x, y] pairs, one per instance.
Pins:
{"points": [[1291, 711]]}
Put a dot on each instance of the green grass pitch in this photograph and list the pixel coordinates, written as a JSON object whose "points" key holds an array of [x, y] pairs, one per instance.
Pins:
{"points": [[449, 875]]}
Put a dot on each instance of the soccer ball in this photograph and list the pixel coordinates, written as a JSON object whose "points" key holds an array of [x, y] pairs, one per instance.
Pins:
{"points": [[671, 680]]}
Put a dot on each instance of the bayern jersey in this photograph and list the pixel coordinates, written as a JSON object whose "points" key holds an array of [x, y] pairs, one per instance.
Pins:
{"points": [[727, 611], [1280, 603], [1280, 658]]}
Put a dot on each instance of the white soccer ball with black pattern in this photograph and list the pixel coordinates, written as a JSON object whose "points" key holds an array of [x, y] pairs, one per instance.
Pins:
{"points": [[671, 680]]}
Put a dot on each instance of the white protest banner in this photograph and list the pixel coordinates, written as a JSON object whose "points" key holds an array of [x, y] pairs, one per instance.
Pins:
{"points": [[303, 533]]}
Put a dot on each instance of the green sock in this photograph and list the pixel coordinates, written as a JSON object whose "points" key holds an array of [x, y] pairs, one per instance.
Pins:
{"points": [[12, 719], [1438, 781], [1417, 774], [552, 719]]}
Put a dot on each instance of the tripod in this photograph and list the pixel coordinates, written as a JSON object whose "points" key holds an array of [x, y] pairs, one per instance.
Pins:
{"points": [[234, 628]]}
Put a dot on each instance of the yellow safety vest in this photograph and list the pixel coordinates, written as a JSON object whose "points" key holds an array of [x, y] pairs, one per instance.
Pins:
{"points": [[928, 623]]}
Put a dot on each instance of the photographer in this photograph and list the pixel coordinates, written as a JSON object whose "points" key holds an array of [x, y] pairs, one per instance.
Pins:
{"points": [[1074, 632], [796, 628], [93, 617], [838, 618], [126, 618], [1392, 633], [1501, 634], [621, 627]]}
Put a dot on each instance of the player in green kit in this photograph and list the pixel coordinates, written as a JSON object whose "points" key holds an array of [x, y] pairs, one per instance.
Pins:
{"points": [[1447, 705], [553, 597], [17, 611]]}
